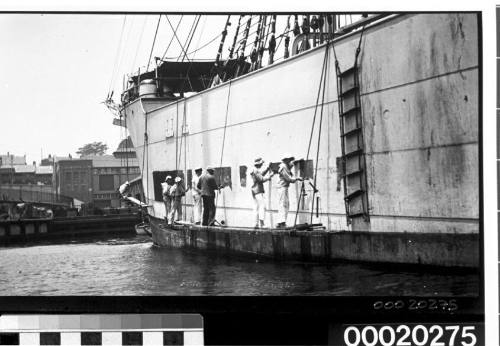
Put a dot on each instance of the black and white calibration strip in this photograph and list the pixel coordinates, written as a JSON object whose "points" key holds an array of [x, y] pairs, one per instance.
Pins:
{"points": [[102, 329]]}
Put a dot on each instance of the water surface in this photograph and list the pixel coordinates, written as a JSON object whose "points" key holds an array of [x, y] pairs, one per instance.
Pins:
{"points": [[134, 266]]}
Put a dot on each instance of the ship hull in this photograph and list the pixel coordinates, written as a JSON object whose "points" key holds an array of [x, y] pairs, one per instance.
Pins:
{"points": [[320, 246], [420, 115]]}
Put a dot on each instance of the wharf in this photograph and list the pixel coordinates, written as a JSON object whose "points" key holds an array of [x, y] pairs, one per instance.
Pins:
{"points": [[32, 230], [434, 249]]}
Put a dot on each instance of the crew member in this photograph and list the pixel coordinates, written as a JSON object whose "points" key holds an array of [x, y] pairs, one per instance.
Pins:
{"points": [[177, 191], [123, 189], [167, 199], [196, 192], [285, 178], [259, 176], [208, 185]]}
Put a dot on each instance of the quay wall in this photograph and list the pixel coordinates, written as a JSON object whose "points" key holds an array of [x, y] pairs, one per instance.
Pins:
{"points": [[419, 80], [459, 250]]}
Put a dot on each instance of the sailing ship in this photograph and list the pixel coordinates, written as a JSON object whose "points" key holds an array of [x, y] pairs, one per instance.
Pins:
{"points": [[381, 114]]}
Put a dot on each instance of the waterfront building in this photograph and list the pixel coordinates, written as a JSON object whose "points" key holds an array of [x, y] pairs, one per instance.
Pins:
{"points": [[73, 178], [44, 175], [24, 174], [108, 173], [96, 178], [51, 160], [10, 160]]}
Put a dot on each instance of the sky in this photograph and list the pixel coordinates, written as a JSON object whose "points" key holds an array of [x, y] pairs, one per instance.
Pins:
{"points": [[56, 69]]}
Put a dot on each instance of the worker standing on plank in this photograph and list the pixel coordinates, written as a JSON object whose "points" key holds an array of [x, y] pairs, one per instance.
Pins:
{"points": [[167, 199], [177, 191], [208, 185], [259, 177], [196, 192], [285, 178]]}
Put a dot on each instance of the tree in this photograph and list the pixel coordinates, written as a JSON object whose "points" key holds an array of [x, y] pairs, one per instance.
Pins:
{"points": [[95, 148]]}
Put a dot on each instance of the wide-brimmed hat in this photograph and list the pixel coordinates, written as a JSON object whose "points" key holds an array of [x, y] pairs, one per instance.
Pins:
{"points": [[258, 161], [198, 169], [168, 178], [177, 179], [288, 157]]}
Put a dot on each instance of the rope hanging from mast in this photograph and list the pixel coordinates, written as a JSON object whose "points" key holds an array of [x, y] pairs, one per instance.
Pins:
{"points": [[224, 136], [113, 74], [272, 41], [254, 53], [231, 51], [286, 53], [172, 39], [322, 85], [190, 36], [241, 48], [153, 45], [262, 42], [219, 52]]}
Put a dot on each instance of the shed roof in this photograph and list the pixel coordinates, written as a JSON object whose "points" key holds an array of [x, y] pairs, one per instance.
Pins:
{"points": [[25, 169]]}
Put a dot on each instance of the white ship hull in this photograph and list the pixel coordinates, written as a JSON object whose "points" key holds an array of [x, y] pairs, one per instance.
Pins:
{"points": [[419, 79]]}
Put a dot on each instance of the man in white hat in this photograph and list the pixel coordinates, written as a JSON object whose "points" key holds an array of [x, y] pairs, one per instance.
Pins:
{"points": [[196, 193], [167, 199], [259, 177], [285, 178], [177, 191], [208, 185], [124, 188]]}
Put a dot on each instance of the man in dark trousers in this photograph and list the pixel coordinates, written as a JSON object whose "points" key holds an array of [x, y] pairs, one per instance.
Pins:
{"points": [[208, 185]]}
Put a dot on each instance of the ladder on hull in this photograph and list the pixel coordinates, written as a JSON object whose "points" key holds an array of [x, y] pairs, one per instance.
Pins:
{"points": [[353, 148]]}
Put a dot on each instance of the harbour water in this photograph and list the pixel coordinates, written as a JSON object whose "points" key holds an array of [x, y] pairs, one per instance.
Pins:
{"points": [[134, 266]]}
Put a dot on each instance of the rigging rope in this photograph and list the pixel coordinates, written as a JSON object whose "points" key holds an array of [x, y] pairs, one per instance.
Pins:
{"points": [[144, 154], [172, 39], [231, 51], [113, 74], [182, 47], [322, 79], [319, 138], [153, 45], [190, 36], [224, 137], [139, 42]]}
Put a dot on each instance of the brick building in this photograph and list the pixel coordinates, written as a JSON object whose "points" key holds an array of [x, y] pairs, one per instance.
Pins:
{"points": [[96, 178], [108, 173]]}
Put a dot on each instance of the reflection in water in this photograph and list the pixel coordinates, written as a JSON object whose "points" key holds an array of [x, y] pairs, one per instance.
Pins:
{"points": [[135, 267]]}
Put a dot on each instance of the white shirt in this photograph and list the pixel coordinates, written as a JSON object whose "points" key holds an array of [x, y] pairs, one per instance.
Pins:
{"points": [[165, 188], [194, 185]]}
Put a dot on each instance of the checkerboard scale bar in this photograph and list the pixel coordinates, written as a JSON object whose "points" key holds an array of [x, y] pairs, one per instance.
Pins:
{"points": [[103, 329]]}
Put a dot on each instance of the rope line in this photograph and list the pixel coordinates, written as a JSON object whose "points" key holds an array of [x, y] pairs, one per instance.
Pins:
{"points": [[139, 43], [319, 139], [113, 74], [154, 41], [323, 73], [224, 136], [172, 39]]}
